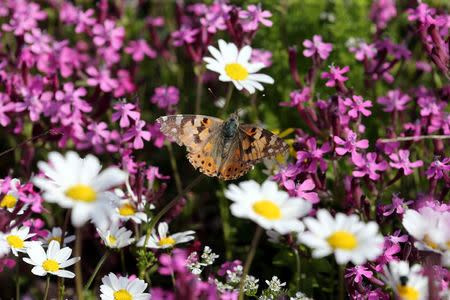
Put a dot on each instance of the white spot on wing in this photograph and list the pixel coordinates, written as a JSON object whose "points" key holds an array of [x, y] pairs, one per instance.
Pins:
{"points": [[178, 120], [174, 130]]}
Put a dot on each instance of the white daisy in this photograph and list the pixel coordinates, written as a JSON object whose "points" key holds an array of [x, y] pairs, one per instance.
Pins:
{"points": [[430, 228], [267, 206], [115, 237], [406, 282], [17, 239], [51, 262], [234, 65], [114, 287], [77, 184], [345, 236], [12, 197], [128, 210], [56, 235], [163, 240]]}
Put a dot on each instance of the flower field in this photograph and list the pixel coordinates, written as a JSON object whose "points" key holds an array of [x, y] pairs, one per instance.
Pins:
{"points": [[292, 149]]}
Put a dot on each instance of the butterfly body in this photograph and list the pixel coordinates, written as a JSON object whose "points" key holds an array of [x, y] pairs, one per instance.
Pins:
{"points": [[225, 149]]}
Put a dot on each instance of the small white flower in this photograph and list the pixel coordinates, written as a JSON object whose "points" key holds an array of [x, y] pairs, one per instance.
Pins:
{"points": [[122, 288], [430, 228], [115, 237], [275, 284], [76, 183], [17, 240], [51, 262], [163, 240], [300, 296], [234, 65], [208, 256], [223, 287], [250, 283], [346, 236], [55, 235], [406, 282], [267, 206], [128, 208]]}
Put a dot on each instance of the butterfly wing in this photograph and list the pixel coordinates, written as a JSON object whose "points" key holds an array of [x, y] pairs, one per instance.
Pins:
{"points": [[253, 145], [199, 134]]}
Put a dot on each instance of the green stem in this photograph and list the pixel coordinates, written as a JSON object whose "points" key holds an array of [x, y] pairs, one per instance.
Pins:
{"points": [[341, 282], [248, 262], [297, 277], [17, 279], [60, 281], [254, 107], [97, 268], [78, 273], [173, 163], [227, 99], [47, 284], [225, 217], [122, 261], [199, 90]]}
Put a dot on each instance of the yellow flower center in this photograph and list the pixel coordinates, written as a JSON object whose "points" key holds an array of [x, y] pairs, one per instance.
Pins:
{"points": [[9, 201], [50, 265], [427, 241], [448, 245], [342, 240], [112, 239], [15, 241], [122, 295], [126, 210], [236, 71], [267, 209], [407, 292], [55, 238], [81, 192], [166, 241]]}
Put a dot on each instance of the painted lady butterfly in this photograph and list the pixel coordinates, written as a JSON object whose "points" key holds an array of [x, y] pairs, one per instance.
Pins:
{"points": [[225, 149]]}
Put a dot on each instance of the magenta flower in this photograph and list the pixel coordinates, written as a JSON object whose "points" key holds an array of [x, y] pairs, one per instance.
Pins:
{"points": [[286, 176], [253, 16], [39, 41], [139, 49], [317, 46], [214, 20], [351, 144], [85, 20], [335, 75], [95, 137], [430, 106], [152, 172], [382, 11], [397, 205], [297, 97], [423, 14], [389, 250], [35, 99], [5, 106], [394, 100], [68, 13], [364, 51], [165, 96], [358, 272], [367, 165], [173, 264], [125, 82], [102, 79], [261, 56], [108, 32], [125, 111], [138, 134], [25, 17], [304, 189], [401, 161], [358, 105], [184, 35], [154, 21], [308, 160], [157, 136], [423, 66], [396, 239], [438, 169]]}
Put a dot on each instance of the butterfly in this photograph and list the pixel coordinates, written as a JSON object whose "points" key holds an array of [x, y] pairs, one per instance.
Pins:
{"points": [[225, 149]]}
